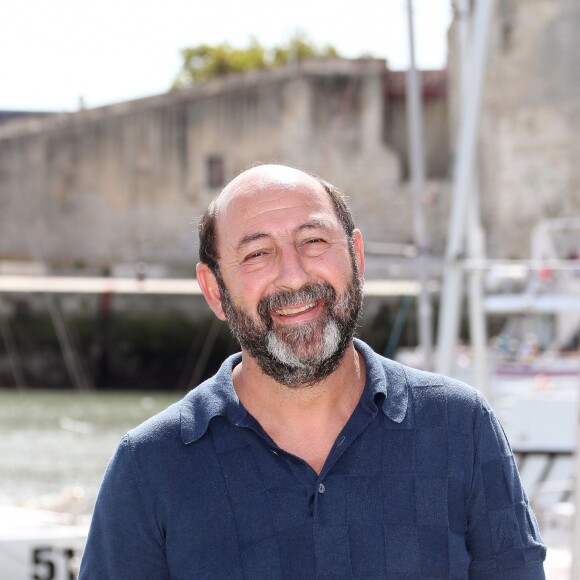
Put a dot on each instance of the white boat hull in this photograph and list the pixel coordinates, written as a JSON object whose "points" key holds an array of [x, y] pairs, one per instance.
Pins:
{"points": [[39, 545]]}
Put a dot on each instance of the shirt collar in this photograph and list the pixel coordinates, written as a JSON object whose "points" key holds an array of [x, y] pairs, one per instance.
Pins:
{"points": [[387, 378], [217, 397], [212, 398]]}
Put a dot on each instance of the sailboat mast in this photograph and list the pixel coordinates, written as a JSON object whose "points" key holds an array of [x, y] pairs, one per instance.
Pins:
{"points": [[418, 190]]}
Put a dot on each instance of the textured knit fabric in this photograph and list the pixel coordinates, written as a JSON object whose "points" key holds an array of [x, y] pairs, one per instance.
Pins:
{"points": [[420, 484]]}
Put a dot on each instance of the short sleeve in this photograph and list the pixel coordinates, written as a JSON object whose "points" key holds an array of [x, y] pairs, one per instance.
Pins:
{"points": [[503, 537], [125, 541]]}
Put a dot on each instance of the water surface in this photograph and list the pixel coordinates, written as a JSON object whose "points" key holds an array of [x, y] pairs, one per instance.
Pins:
{"points": [[55, 446]]}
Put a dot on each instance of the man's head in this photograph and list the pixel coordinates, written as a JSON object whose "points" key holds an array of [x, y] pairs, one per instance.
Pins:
{"points": [[208, 252], [282, 263]]}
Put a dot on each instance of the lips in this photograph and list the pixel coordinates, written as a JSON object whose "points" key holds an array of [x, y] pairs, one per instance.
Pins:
{"points": [[294, 310], [295, 306]]}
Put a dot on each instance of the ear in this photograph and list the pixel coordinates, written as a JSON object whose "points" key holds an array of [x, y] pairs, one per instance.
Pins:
{"points": [[210, 288], [359, 250]]}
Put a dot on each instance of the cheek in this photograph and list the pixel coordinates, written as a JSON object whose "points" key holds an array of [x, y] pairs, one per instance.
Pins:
{"points": [[339, 272], [245, 295]]}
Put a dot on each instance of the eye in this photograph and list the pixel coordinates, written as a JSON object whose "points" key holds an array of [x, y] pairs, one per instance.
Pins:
{"points": [[314, 246], [255, 255]]}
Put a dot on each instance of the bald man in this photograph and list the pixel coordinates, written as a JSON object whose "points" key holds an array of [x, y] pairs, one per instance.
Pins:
{"points": [[308, 455]]}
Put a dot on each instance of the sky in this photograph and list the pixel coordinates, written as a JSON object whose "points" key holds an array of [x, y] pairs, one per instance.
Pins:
{"points": [[53, 53]]}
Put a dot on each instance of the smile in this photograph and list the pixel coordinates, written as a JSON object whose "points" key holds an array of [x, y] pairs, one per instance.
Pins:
{"points": [[295, 310]]}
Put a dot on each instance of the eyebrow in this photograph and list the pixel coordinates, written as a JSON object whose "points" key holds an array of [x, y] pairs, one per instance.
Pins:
{"points": [[251, 238], [315, 224]]}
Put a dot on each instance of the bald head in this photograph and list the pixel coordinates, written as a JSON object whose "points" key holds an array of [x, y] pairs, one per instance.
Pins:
{"points": [[265, 178], [247, 188]]}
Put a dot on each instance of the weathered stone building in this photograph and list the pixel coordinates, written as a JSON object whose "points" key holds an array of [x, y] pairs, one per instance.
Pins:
{"points": [[119, 189], [124, 184], [529, 156]]}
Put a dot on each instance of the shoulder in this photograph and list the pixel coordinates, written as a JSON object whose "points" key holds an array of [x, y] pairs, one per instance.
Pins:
{"points": [[433, 399], [187, 420], [440, 401], [163, 425], [394, 375], [417, 397], [428, 384]]}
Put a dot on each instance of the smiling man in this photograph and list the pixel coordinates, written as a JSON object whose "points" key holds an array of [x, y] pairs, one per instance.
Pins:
{"points": [[308, 455]]}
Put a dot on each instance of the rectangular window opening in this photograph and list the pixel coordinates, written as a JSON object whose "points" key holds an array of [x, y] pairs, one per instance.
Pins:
{"points": [[215, 171]]}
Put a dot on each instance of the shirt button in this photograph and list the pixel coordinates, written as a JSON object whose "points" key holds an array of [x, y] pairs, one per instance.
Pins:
{"points": [[321, 488]]}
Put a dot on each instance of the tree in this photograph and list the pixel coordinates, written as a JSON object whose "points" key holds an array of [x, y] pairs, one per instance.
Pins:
{"points": [[204, 61]]}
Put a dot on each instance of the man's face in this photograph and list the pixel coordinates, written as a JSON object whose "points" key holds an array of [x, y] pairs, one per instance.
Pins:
{"points": [[300, 355], [289, 282]]}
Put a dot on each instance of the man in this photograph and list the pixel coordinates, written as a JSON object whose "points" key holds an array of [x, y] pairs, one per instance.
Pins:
{"points": [[308, 455]]}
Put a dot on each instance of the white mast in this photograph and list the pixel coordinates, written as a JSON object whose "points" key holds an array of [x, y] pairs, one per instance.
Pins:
{"points": [[418, 189], [465, 149], [475, 233]]}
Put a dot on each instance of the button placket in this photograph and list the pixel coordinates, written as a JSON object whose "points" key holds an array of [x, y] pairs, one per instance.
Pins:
{"points": [[320, 489]]}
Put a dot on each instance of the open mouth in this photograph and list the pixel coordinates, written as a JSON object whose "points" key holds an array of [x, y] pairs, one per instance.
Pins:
{"points": [[289, 311]]}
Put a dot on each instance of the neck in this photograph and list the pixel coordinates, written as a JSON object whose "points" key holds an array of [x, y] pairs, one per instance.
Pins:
{"points": [[302, 420]]}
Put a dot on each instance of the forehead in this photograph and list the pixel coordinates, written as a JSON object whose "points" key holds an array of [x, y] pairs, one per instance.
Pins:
{"points": [[268, 200]]}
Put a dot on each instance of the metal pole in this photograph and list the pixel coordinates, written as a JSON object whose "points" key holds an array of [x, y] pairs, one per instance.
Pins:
{"points": [[475, 233], [575, 571], [418, 188], [477, 316], [465, 149]]}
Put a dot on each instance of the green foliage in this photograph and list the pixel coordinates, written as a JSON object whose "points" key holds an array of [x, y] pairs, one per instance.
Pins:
{"points": [[204, 62]]}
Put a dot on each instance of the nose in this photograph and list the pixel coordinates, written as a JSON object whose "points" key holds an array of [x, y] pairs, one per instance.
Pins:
{"points": [[292, 273]]}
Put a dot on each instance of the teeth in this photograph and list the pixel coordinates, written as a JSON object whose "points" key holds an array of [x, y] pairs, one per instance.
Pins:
{"points": [[288, 311]]}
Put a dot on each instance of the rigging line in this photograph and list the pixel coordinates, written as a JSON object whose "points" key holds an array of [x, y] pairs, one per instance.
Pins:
{"points": [[70, 355], [210, 340], [13, 357], [191, 360], [69, 351], [64, 336]]}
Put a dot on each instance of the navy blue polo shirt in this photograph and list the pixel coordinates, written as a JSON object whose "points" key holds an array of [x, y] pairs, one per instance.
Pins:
{"points": [[420, 484]]}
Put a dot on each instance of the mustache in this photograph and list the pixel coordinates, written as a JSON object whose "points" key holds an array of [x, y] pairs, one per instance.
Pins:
{"points": [[308, 293]]}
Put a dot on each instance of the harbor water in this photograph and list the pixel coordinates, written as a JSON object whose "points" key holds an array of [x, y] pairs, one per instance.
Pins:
{"points": [[55, 446]]}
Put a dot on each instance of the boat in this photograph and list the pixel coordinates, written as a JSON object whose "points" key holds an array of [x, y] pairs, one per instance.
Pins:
{"points": [[40, 544]]}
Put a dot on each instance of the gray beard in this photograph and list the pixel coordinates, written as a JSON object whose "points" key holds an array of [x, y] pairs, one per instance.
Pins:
{"points": [[284, 353], [307, 354]]}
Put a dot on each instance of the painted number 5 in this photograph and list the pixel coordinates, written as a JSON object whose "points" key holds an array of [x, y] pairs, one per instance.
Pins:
{"points": [[44, 563]]}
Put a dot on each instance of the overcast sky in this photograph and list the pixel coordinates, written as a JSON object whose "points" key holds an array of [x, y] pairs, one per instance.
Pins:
{"points": [[52, 52]]}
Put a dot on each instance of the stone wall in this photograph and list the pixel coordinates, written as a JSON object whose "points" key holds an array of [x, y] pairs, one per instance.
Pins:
{"points": [[529, 146], [124, 184]]}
